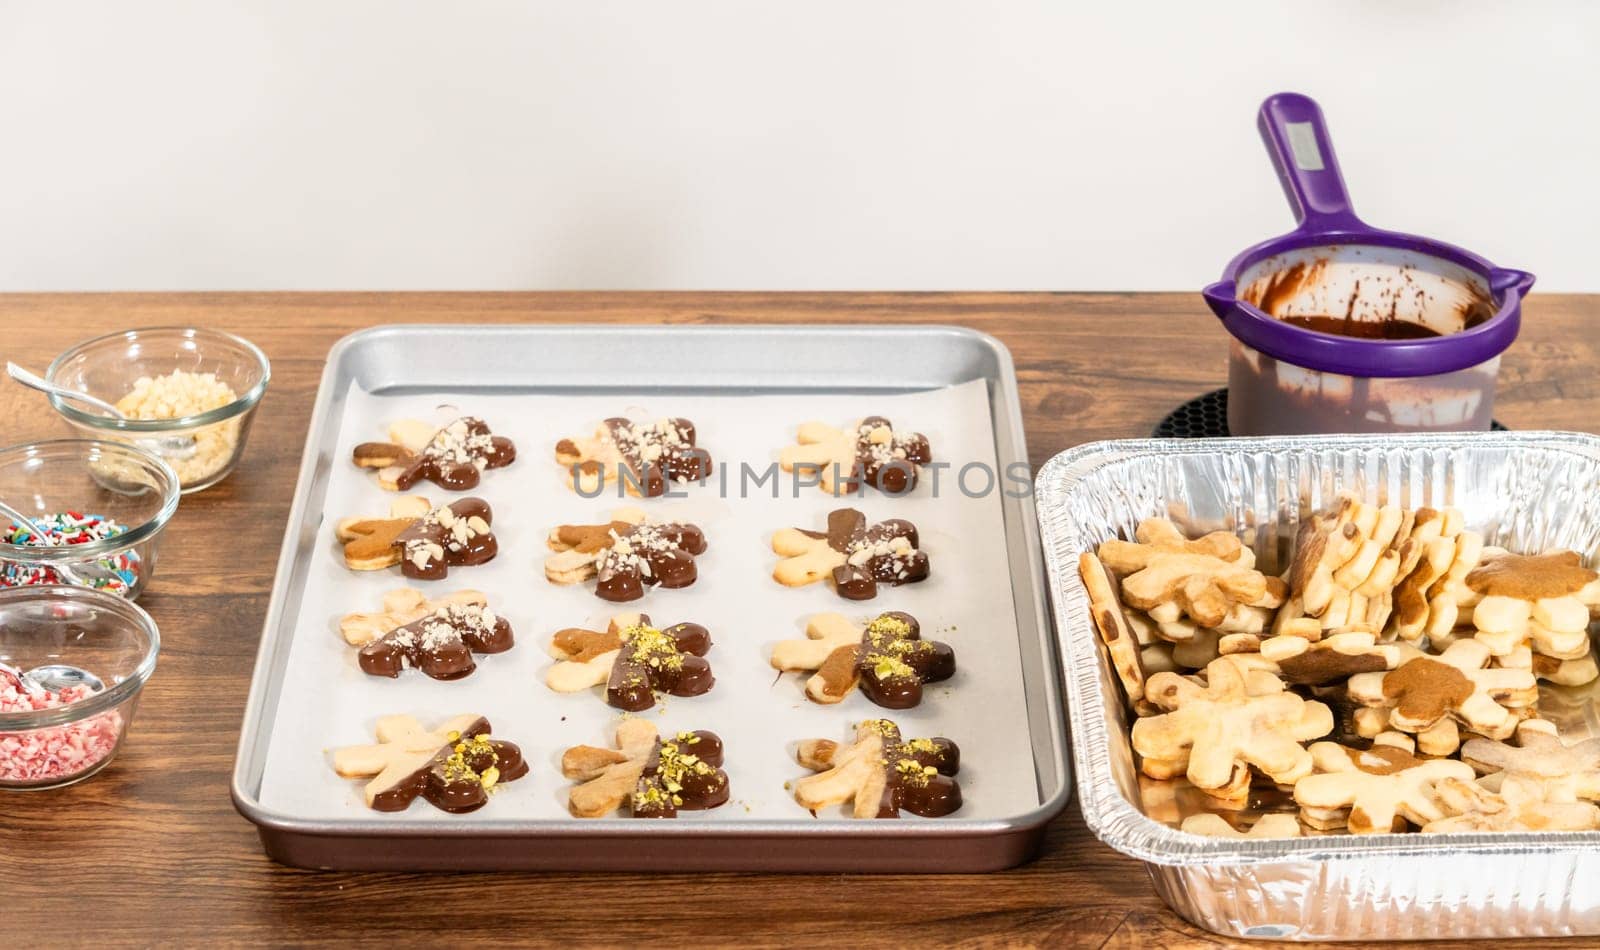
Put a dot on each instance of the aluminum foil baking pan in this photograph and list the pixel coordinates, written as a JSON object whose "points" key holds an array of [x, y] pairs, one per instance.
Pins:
{"points": [[1525, 491]]}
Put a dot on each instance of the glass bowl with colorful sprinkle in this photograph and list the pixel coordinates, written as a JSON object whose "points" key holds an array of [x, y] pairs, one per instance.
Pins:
{"points": [[100, 508], [186, 393], [50, 738]]}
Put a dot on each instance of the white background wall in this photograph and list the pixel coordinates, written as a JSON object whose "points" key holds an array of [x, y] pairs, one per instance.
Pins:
{"points": [[161, 144]]}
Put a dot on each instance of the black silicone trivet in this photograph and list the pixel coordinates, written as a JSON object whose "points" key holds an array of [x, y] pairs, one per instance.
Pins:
{"points": [[1206, 417]]}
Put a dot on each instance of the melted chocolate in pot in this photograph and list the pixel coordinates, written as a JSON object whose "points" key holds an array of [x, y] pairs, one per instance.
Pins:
{"points": [[1364, 329]]}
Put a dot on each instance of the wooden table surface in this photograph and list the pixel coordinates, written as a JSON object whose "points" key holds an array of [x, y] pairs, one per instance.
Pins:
{"points": [[152, 851]]}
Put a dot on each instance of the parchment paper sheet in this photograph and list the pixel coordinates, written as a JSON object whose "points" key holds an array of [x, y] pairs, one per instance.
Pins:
{"points": [[966, 601]]}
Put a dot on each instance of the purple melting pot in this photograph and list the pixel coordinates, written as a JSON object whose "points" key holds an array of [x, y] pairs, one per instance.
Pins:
{"points": [[1341, 327]]}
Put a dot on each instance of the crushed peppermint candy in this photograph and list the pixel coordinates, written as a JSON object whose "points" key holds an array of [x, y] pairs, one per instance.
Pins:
{"points": [[115, 574], [54, 753]]}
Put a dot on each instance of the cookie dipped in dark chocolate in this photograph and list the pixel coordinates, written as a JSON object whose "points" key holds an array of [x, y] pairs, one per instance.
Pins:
{"points": [[460, 777], [440, 644], [457, 455], [651, 660], [883, 553], [683, 773], [457, 534], [918, 774], [648, 555], [658, 453], [888, 460], [893, 661]]}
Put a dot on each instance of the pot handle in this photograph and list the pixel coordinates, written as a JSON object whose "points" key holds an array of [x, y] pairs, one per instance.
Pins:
{"points": [[1297, 139]]}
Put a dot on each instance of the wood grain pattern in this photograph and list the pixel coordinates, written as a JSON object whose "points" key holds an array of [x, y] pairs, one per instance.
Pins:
{"points": [[152, 852]]}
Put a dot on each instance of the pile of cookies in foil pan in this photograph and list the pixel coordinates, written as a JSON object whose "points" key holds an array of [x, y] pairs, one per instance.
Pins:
{"points": [[1388, 682], [1338, 687]]}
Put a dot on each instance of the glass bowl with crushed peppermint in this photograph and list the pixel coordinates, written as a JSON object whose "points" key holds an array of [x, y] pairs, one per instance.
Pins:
{"points": [[54, 737]]}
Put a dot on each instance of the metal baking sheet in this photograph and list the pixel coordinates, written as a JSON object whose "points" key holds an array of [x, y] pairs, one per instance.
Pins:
{"points": [[1524, 491], [539, 384]]}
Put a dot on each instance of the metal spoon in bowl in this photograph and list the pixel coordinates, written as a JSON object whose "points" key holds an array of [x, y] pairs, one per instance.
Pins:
{"points": [[21, 520], [174, 447], [52, 678]]}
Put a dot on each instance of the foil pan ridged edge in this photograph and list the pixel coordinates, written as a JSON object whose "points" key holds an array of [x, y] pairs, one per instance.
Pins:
{"points": [[1350, 887]]}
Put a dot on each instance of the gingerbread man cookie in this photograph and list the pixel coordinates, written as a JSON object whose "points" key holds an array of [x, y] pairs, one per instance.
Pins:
{"points": [[887, 658], [1565, 772], [1302, 662], [855, 556], [1155, 536], [1232, 796], [425, 546], [1117, 635], [1578, 672], [1172, 800], [644, 456], [625, 555], [1267, 826], [1423, 691], [634, 660], [453, 535], [440, 644], [656, 777], [1219, 727], [867, 452], [1378, 786], [369, 543], [881, 773], [1448, 553], [1325, 544], [400, 607], [455, 767], [452, 457], [1541, 602], [1210, 581], [1471, 807]]}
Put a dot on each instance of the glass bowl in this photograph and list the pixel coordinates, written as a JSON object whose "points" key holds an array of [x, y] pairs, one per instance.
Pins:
{"points": [[202, 446], [71, 482], [47, 746]]}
